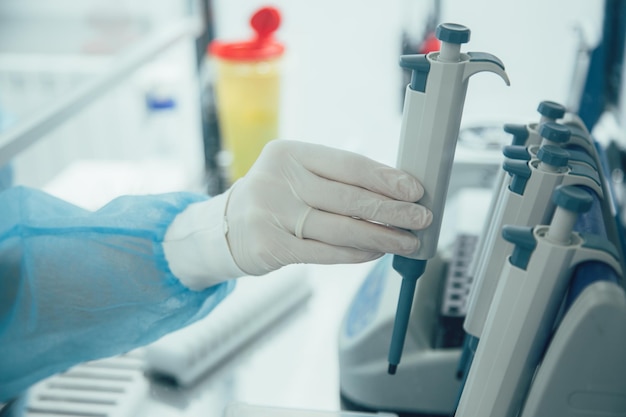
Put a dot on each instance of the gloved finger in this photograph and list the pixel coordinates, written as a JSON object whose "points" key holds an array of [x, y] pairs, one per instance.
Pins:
{"points": [[353, 201], [342, 231], [351, 168], [314, 252], [258, 255]]}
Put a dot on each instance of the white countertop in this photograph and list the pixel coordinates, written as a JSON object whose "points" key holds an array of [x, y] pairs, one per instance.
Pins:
{"points": [[294, 364]]}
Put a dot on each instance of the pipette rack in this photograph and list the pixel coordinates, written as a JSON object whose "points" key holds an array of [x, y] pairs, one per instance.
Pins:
{"points": [[576, 368]]}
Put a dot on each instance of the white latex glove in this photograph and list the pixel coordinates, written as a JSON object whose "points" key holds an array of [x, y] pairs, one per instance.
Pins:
{"points": [[344, 208]]}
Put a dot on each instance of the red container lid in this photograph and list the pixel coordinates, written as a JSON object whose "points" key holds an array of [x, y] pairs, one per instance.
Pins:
{"points": [[262, 46]]}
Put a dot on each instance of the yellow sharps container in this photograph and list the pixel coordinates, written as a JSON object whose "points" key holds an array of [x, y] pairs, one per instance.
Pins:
{"points": [[247, 91]]}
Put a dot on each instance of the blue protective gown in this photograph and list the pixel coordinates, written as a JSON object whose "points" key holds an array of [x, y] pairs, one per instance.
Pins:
{"points": [[77, 285]]}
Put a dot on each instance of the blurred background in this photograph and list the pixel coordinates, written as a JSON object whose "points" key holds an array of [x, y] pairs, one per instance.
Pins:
{"points": [[82, 82]]}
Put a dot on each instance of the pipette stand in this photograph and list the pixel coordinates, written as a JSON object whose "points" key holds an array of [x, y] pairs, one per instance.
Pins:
{"points": [[533, 172], [584, 168], [525, 311], [523, 135], [528, 136], [550, 337]]}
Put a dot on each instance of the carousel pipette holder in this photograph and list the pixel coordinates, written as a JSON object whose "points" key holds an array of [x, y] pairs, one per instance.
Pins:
{"points": [[523, 135], [533, 356], [429, 381], [534, 172], [529, 135], [582, 372]]}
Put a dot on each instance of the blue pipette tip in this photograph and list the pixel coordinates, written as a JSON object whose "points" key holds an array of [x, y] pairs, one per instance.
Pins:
{"points": [[410, 270]]}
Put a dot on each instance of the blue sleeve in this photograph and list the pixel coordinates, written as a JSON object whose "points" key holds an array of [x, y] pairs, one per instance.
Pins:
{"points": [[77, 285]]}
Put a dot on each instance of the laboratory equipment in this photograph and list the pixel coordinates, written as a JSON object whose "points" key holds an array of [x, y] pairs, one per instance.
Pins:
{"points": [[568, 382], [533, 172], [584, 167], [531, 290], [581, 164], [529, 136], [427, 382], [430, 126], [113, 387], [523, 135], [586, 288], [247, 88]]}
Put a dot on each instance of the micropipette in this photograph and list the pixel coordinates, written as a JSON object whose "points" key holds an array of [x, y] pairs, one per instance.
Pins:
{"points": [[431, 121], [531, 289]]}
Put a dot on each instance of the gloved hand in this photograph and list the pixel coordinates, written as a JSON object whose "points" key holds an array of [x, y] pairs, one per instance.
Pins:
{"points": [[307, 203]]}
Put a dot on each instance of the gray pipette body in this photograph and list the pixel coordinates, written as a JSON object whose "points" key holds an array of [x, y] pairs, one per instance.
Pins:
{"points": [[430, 126]]}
